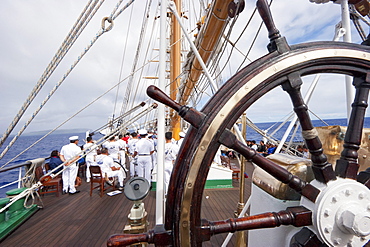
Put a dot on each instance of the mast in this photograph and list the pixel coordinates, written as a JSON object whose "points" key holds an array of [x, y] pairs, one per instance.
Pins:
{"points": [[208, 38], [175, 69]]}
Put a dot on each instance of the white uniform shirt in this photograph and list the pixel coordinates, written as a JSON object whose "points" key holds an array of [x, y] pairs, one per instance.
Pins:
{"points": [[105, 162], [90, 146], [113, 148], [132, 145], [144, 146], [170, 152], [179, 142], [90, 149], [70, 151], [122, 144]]}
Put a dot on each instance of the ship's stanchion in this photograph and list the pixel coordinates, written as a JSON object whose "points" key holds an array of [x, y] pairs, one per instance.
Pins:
{"points": [[136, 189], [18, 205], [3, 215], [16, 214]]}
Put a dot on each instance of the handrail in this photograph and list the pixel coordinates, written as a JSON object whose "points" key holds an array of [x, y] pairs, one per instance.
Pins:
{"points": [[19, 165]]}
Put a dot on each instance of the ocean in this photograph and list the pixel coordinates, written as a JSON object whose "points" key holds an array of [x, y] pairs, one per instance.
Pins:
{"points": [[56, 141], [40, 150]]}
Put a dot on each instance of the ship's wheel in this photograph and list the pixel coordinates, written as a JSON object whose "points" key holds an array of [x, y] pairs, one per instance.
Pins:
{"points": [[335, 206]]}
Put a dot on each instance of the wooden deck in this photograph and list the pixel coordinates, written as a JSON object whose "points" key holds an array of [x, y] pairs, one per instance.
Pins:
{"points": [[81, 220]]}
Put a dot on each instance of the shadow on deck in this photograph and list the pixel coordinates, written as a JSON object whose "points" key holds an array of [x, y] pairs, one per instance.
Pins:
{"points": [[81, 220]]}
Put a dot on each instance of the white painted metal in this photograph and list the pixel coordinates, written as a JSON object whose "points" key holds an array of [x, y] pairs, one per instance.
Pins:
{"points": [[346, 24], [161, 118], [341, 213]]}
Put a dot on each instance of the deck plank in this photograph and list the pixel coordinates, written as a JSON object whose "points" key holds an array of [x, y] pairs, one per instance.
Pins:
{"points": [[81, 220]]}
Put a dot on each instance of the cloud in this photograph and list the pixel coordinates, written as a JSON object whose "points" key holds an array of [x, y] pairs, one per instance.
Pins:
{"points": [[32, 31]]}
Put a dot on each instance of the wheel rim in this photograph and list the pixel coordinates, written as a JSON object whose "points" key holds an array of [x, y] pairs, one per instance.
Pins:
{"points": [[183, 209]]}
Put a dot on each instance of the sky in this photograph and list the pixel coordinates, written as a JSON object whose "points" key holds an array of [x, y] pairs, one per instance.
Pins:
{"points": [[32, 31]]}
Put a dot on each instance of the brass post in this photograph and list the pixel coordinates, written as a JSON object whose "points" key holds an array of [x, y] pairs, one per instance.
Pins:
{"points": [[240, 236]]}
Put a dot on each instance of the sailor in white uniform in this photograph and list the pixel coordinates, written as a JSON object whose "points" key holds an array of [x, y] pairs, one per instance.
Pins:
{"points": [[70, 152], [152, 138], [113, 148], [144, 150], [90, 149], [170, 153], [182, 135], [122, 150], [109, 168], [131, 150]]}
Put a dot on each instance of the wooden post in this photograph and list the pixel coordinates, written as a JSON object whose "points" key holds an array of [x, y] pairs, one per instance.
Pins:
{"points": [[175, 69]]}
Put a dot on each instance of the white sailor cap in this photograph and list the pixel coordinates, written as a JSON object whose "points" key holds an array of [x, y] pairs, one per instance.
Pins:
{"points": [[73, 138], [143, 132], [182, 134]]}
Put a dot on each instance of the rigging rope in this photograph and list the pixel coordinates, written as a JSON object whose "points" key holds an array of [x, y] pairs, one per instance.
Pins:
{"points": [[66, 44], [120, 117], [101, 32], [78, 112], [29, 191], [123, 60], [136, 58]]}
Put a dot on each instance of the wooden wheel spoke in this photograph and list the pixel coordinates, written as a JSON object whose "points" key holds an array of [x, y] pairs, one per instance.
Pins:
{"points": [[229, 139], [191, 115], [283, 66], [347, 166], [158, 235], [323, 171], [296, 216]]}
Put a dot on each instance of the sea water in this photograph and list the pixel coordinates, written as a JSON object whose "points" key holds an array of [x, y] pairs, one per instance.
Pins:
{"points": [[42, 149], [56, 141]]}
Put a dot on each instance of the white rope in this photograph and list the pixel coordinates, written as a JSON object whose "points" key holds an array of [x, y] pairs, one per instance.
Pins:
{"points": [[24, 193], [119, 118], [78, 112], [14, 182], [92, 42], [66, 44], [136, 58], [309, 134], [103, 139], [123, 8], [123, 60], [30, 175], [70, 42]]}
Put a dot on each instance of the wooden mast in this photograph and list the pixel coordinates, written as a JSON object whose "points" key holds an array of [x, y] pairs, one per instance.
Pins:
{"points": [[209, 37], [175, 69]]}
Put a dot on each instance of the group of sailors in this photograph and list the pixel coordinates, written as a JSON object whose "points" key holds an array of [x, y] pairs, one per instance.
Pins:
{"points": [[136, 151], [270, 148], [263, 149]]}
